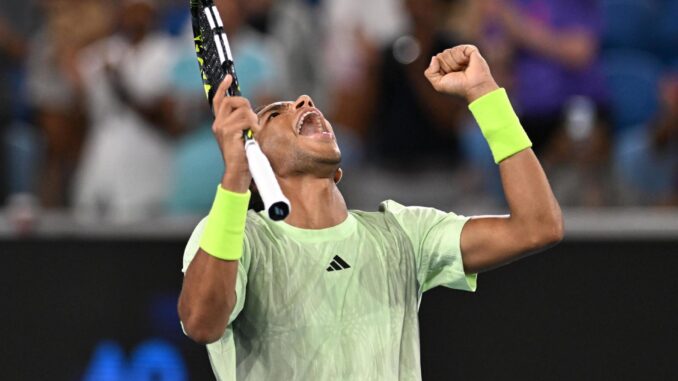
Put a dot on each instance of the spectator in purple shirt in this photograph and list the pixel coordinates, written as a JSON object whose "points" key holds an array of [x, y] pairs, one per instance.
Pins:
{"points": [[547, 50], [556, 46]]}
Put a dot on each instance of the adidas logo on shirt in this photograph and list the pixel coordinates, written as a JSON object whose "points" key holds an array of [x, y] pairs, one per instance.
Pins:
{"points": [[338, 264]]}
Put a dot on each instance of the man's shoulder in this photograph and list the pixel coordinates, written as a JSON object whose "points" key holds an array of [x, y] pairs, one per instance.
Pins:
{"points": [[406, 216], [386, 206], [389, 207], [384, 214], [389, 212]]}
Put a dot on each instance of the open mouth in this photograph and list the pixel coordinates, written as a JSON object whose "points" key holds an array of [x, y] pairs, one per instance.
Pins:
{"points": [[312, 123]]}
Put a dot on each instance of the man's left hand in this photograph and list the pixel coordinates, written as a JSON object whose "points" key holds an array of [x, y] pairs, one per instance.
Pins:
{"points": [[461, 71]]}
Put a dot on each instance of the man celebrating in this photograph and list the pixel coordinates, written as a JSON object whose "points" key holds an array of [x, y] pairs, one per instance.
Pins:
{"points": [[331, 293]]}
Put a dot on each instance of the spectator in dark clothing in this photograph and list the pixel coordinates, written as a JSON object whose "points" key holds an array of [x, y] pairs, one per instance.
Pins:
{"points": [[410, 123], [52, 87], [647, 157], [12, 52], [408, 126]]}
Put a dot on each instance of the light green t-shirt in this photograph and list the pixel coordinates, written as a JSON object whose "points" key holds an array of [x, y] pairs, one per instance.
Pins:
{"points": [[338, 303]]}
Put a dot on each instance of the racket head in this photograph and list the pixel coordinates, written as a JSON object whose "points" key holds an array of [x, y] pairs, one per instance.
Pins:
{"points": [[211, 45]]}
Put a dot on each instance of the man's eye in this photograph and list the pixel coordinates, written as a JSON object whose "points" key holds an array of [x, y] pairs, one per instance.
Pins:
{"points": [[272, 115]]}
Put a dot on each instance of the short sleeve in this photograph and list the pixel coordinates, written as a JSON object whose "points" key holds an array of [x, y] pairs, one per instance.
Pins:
{"points": [[241, 281], [435, 237]]}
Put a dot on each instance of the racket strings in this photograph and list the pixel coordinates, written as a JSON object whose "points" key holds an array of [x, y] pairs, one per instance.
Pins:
{"points": [[211, 64], [215, 49]]}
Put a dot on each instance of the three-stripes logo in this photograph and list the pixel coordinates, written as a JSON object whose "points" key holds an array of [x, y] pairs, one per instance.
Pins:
{"points": [[338, 264]]}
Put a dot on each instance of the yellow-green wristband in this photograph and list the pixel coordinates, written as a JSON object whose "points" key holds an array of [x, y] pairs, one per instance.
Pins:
{"points": [[499, 124], [225, 228]]}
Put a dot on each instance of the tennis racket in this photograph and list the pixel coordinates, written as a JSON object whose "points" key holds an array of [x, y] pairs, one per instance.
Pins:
{"points": [[216, 61]]}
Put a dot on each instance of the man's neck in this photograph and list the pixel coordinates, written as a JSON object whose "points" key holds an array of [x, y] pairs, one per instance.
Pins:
{"points": [[316, 202]]}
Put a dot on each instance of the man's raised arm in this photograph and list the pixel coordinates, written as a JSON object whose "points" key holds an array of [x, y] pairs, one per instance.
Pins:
{"points": [[535, 220], [208, 293]]}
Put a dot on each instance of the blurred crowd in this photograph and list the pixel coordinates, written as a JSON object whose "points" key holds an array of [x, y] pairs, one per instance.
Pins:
{"points": [[102, 110]]}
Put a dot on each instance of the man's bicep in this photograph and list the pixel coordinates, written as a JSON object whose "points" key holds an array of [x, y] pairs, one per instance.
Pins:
{"points": [[488, 242]]}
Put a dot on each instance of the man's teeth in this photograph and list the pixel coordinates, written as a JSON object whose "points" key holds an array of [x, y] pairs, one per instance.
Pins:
{"points": [[317, 122], [302, 120]]}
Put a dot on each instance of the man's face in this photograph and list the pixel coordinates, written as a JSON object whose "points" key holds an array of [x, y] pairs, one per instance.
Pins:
{"points": [[297, 138]]}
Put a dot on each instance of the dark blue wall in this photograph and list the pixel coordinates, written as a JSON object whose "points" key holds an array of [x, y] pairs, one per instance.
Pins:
{"points": [[583, 310]]}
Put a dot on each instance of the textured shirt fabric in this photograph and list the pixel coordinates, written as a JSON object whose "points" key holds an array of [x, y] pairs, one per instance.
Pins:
{"points": [[296, 319]]}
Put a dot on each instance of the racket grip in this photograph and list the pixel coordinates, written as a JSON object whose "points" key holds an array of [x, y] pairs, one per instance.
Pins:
{"points": [[276, 204]]}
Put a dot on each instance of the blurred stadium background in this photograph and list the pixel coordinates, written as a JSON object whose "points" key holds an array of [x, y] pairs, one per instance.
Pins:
{"points": [[107, 162]]}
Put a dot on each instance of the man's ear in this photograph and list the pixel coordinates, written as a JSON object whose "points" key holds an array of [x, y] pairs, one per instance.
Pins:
{"points": [[338, 175]]}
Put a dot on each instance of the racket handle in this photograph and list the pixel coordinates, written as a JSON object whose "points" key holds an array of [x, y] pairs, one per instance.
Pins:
{"points": [[276, 204]]}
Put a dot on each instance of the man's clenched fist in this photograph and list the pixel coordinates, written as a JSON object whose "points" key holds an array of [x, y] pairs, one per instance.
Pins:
{"points": [[461, 71]]}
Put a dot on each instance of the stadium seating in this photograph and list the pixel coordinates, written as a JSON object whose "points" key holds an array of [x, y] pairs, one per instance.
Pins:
{"points": [[632, 78], [629, 23], [667, 32]]}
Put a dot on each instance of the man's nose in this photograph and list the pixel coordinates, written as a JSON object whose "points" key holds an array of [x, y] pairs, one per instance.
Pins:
{"points": [[303, 101]]}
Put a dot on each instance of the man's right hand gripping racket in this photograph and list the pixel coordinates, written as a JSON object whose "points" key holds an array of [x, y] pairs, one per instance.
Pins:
{"points": [[216, 61]]}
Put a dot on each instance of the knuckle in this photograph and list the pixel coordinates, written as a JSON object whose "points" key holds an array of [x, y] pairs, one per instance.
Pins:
{"points": [[226, 101], [241, 113], [242, 101], [470, 49]]}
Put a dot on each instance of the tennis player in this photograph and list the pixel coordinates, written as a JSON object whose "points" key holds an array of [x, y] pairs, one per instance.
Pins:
{"points": [[333, 294]]}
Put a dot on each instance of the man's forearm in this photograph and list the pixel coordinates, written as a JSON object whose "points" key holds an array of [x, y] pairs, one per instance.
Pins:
{"points": [[535, 221], [535, 213], [534, 209], [207, 297]]}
